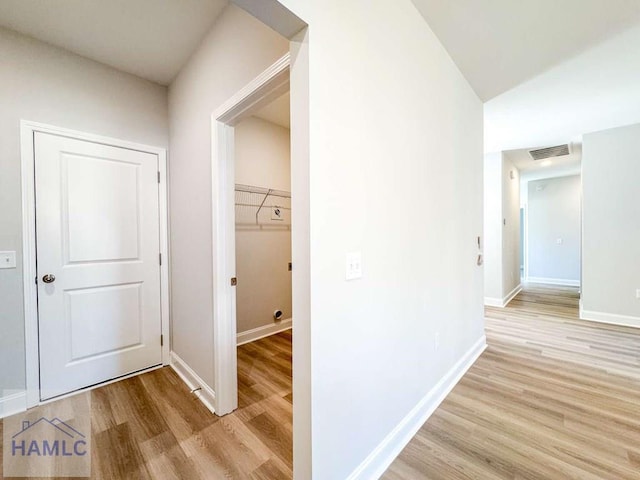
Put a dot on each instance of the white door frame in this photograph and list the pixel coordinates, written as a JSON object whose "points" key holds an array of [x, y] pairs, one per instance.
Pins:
{"points": [[267, 86], [27, 132], [525, 241]]}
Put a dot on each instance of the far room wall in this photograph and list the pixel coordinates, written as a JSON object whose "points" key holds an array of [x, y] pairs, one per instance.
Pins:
{"points": [[553, 233]]}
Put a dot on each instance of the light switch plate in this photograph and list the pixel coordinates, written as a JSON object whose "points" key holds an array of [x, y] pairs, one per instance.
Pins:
{"points": [[7, 260], [354, 265]]}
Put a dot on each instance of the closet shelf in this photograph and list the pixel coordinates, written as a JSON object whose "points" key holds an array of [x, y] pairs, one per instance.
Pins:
{"points": [[264, 193]]}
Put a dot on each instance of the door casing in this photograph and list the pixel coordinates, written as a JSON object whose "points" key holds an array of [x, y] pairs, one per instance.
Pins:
{"points": [[27, 132], [266, 87]]}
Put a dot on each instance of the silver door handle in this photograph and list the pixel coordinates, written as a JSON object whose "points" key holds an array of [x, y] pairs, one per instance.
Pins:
{"points": [[49, 278]]}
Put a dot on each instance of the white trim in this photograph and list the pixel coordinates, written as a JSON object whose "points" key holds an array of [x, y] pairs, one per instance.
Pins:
{"points": [[267, 86], [261, 332], [610, 318], [503, 302], [29, 272], [493, 302], [554, 281], [197, 386], [525, 243], [13, 403], [165, 278], [385, 453], [511, 295]]}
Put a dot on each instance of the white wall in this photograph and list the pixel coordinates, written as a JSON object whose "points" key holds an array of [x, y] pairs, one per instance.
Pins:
{"points": [[554, 214], [501, 229], [611, 226], [511, 227], [396, 173], [492, 242], [262, 158], [48, 85], [263, 154], [237, 48]]}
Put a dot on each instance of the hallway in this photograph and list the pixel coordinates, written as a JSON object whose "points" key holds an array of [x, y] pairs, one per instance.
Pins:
{"points": [[552, 397]]}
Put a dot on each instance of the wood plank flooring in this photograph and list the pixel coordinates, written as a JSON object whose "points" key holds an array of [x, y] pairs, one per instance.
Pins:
{"points": [[152, 427], [552, 397]]}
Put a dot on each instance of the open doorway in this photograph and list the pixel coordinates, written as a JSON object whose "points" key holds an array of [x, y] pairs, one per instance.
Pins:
{"points": [[263, 222], [553, 231], [262, 145], [270, 85]]}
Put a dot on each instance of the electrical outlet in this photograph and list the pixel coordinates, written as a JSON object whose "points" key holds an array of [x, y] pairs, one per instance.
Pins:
{"points": [[276, 213], [7, 259], [559, 241], [638, 293], [354, 266]]}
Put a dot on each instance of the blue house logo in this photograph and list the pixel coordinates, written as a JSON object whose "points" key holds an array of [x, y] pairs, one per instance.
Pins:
{"points": [[48, 438]]}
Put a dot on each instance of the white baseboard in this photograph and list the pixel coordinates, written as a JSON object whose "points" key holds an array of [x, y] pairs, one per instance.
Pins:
{"points": [[261, 332], [12, 403], [612, 318], [502, 302], [205, 393], [385, 453], [554, 281], [493, 302], [511, 295]]}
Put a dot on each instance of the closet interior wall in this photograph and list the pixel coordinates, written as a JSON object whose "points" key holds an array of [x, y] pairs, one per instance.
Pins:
{"points": [[263, 225]]}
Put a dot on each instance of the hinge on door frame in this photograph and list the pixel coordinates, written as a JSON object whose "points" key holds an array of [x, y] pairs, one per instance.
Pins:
{"points": [[160, 258], [162, 340], [158, 176]]}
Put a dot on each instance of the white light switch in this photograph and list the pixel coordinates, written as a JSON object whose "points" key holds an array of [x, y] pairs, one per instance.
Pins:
{"points": [[559, 241], [354, 265], [7, 259]]}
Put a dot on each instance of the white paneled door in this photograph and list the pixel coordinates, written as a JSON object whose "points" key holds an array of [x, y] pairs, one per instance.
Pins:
{"points": [[98, 247]]}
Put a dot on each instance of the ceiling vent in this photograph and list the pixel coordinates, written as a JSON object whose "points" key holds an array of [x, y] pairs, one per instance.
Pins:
{"points": [[557, 151]]}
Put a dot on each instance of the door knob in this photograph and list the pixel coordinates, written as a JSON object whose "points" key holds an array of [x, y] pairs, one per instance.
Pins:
{"points": [[49, 278]]}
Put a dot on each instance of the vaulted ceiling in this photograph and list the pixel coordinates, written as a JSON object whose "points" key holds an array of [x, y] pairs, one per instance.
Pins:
{"points": [[152, 39], [498, 44]]}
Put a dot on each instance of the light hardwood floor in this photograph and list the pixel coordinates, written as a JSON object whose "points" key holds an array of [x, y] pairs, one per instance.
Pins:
{"points": [[152, 427], [552, 398]]}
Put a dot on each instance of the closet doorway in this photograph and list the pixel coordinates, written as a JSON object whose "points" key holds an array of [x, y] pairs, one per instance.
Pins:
{"points": [[252, 223], [262, 157], [263, 222]]}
